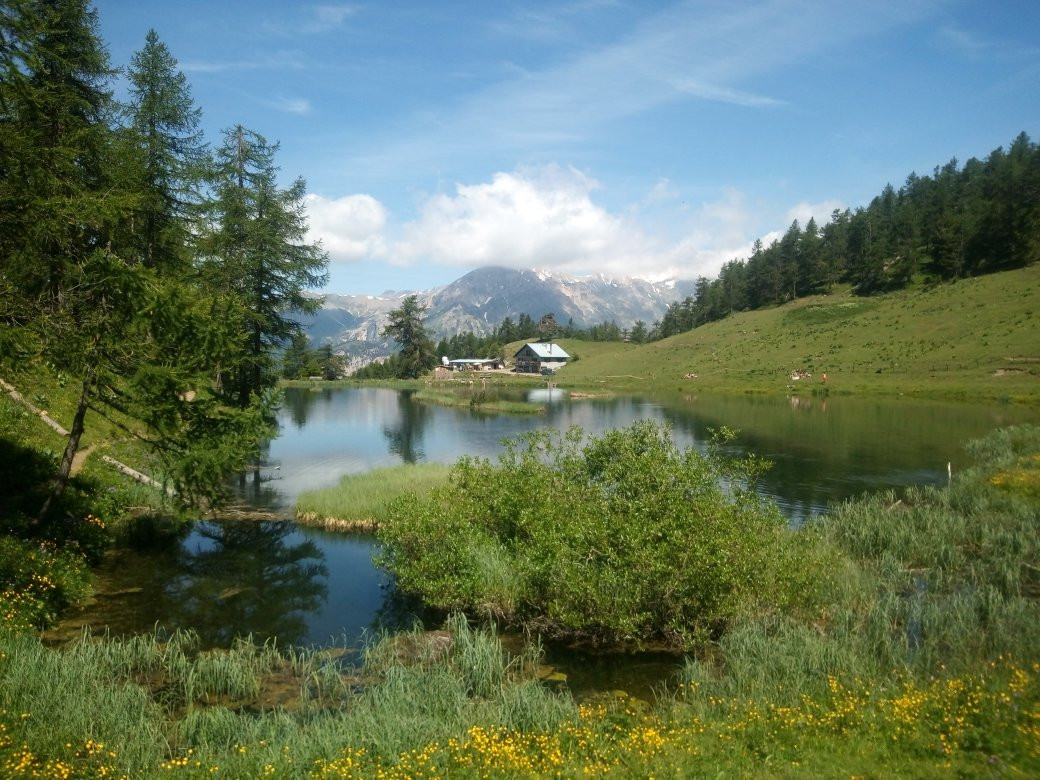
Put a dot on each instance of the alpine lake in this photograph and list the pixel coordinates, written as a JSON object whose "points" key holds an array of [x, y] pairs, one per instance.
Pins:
{"points": [[300, 586]]}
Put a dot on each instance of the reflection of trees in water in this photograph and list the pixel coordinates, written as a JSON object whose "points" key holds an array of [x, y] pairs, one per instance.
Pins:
{"points": [[253, 487], [248, 578], [819, 454], [404, 439], [402, 612], [298, 403]]}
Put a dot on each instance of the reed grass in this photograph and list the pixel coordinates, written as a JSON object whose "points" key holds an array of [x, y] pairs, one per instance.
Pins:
{"points": [[359, 502], [162, 703], [478, 400]]}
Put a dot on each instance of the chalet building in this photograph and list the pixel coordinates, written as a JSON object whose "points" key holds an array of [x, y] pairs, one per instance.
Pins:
{"points": [[540, 358]]}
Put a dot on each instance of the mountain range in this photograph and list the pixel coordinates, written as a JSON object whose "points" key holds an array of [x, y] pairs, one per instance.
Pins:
{"points": [[480, 300]]}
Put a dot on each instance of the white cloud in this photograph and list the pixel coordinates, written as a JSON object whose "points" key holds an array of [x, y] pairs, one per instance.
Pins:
{"points": [[323, 18], [350, 228], [662, 191], [289, 105], [547, 218], [333, 15], [544, 218], [725, 94], [684, 54], [821, 212]]}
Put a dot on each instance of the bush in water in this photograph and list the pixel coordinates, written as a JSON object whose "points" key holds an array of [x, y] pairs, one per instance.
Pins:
{"points": [[621, 537]]}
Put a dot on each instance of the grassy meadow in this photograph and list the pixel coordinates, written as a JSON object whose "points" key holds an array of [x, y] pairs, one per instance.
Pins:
{"points": [[974, 338]]}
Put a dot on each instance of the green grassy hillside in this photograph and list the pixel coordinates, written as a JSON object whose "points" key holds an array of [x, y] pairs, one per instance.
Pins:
{"points": [[976, 338]]}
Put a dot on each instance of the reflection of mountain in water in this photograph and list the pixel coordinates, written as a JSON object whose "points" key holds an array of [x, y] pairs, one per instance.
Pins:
{"points": [[547, 395]]}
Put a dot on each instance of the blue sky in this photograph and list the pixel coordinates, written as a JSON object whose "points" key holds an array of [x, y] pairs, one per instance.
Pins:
{"points": [[650, 139]]}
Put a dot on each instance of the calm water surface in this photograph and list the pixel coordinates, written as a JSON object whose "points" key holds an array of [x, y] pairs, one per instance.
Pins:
{"points": [[304, 586]]}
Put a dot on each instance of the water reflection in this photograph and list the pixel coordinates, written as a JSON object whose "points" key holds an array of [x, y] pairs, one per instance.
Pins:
{"points": [[405, 434], [547, 395], [257, 486], [248, 578], [297, 405]]}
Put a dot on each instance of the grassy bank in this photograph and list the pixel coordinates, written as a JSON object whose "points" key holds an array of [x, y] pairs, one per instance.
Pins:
{"points": [[479, 399], [45, 566], [359, 502], [971, 339], [459, 708]]}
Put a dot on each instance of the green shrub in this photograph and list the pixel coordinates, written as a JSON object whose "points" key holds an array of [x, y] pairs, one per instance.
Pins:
{"points": [[37, 580], [622, 537]]}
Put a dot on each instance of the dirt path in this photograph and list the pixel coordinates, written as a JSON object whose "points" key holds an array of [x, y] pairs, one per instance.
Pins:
{"points": [[81, 457]]}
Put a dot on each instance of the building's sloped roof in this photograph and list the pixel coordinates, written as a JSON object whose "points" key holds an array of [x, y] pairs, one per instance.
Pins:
{"points": [[544, 350]]}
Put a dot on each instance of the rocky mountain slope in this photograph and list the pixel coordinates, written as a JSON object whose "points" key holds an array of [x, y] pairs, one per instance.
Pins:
{"points": [[481, 299]]}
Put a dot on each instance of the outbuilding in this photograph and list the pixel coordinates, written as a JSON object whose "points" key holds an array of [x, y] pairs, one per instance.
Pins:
{"points": [[540, 357], [473, 364]]}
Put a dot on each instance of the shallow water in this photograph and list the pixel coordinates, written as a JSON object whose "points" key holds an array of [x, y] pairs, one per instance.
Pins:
{"points": [[305, 586]]}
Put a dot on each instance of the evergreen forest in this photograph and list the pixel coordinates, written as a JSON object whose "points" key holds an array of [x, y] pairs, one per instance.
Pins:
{"points": [[157, 274], [961, 221]]}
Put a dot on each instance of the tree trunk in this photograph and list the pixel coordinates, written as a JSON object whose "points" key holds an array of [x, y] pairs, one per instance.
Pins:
{"points": [[61, 479]]}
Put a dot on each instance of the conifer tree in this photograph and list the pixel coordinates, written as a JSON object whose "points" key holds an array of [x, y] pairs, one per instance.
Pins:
{"points": [[169, 153], [75, 296], [258, 258], [63, 285], [406, 328]]}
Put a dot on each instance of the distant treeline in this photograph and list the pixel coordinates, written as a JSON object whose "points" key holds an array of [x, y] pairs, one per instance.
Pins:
{"points": [[958, 222]]}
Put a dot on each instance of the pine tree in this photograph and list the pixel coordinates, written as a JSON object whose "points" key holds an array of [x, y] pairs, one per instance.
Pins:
{"points": [[259, 259], [170, 156], [405, 326], [75, 295], [55, 230], [547, 327]]}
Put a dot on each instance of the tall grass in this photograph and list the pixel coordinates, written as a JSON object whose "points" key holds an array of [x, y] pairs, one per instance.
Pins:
{"points": [[359, 502], [937, 582], [479, 400], [150, 701]]}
